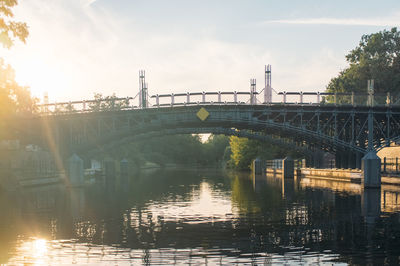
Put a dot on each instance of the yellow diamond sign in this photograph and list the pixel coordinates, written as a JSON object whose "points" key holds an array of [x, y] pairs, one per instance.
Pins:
{"points": [[202, 114]]}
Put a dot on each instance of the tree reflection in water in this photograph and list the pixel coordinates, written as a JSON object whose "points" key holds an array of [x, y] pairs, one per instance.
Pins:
{"points": [[182, 216]]}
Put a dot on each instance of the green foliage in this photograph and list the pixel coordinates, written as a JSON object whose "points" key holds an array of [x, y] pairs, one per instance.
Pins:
{"points": [[173, 149], [108, 103], [244, 151], [240, 148], [14, 99], [10, 30], [376, 57], [215, 149], [218, 150]]}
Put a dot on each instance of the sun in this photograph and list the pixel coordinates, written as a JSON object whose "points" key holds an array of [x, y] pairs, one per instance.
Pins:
{"points": [[41, 77]]}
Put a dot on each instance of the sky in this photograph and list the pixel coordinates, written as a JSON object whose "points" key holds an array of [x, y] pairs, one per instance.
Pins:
{"points": [[80, 47]]}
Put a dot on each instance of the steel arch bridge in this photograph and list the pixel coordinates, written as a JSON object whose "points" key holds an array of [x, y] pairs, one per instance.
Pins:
{"points": [[276, 140], [344, 124]]}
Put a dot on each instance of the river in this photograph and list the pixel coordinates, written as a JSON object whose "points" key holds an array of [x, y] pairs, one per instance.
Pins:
{"points": [[184, 216]]}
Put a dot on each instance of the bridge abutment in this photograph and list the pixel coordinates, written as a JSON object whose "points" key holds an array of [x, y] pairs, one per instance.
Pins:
{"points": [[258, 166], [75, 170], [288, 167], [371, 168]]}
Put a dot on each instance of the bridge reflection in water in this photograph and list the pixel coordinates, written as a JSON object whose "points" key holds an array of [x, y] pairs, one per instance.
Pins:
{"points": [[187, 216]]}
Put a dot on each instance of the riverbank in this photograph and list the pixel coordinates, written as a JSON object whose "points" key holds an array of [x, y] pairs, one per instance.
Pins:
{"points": [[344, 175]]}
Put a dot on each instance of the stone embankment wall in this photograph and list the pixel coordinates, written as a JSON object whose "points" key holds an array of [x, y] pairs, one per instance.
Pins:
{"points": [[351, 175]]}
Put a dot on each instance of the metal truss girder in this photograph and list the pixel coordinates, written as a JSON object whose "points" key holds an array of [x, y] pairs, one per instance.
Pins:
{"points": [[341, 127]]}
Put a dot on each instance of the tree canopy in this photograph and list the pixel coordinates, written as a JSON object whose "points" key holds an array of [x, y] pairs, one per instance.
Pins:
{"points": [[9, 29], [376, 57], [244, 151], [108, 103], [172, 149], [13, 97]]}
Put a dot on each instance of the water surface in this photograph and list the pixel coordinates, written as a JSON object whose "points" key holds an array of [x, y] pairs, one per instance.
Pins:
{"points": [[196, 216]]}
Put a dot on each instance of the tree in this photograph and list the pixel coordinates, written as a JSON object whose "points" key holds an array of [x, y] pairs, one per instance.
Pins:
{"points": [[376, 57], [240, 157], [108, 103], [10, 30], [215, 148], [244, 151], [13, 97]]}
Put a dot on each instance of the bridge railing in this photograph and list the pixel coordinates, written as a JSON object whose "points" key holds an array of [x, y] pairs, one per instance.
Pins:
{"points": [[193, 98], [223, 98], [329, 98], [107, 104], [390, 165]]}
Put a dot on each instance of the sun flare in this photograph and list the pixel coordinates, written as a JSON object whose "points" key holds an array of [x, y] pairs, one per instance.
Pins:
{"points": [[41, 77]]}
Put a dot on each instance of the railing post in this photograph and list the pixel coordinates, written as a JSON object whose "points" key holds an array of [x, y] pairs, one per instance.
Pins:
{"points": [[371, 99], [388, 100], [157, 100], [235, 97], [204, 97], [188, 97], [301, 97], [370, 89], [318, 98], [284, 97], [352, 98], [219, 97], [172, 99], [335, 98]]}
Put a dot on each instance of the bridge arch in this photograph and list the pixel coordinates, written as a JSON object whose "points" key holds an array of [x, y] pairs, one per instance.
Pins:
{"points": [[287, 143]]}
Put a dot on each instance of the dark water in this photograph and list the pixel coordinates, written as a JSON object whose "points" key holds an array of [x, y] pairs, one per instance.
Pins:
{"points": [[201, 217]]}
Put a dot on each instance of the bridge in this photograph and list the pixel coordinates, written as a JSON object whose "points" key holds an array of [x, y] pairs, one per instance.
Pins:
{"points": [[348, 125]]}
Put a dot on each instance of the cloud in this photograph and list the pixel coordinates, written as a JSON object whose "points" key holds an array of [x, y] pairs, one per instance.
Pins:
{"points": [[379, 22]]}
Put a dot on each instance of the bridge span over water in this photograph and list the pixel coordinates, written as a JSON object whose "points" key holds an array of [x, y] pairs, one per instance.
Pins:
{"points": [[346, 124]]}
